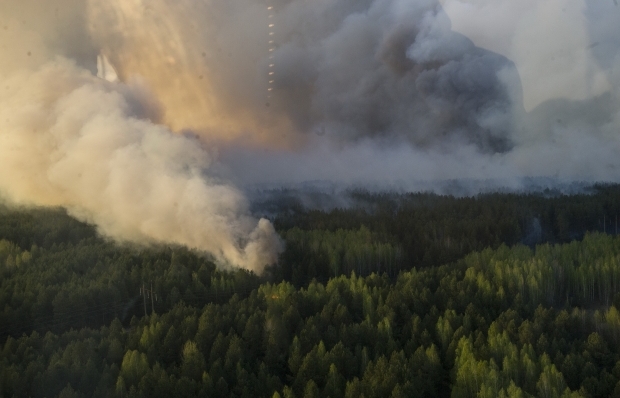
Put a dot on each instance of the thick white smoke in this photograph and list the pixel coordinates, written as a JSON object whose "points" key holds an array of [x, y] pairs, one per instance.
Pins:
{"points": [[71, 139]]}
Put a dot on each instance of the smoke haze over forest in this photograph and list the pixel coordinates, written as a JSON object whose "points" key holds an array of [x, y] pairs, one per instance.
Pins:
{"points": [[363, 92]]}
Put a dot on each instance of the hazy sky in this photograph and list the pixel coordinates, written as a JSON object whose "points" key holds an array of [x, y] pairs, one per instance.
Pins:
{"points": [[550, 42]]}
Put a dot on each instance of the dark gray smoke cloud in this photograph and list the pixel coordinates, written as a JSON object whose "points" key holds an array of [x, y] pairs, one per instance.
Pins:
{"points": [[390, 69], [407, 98]]}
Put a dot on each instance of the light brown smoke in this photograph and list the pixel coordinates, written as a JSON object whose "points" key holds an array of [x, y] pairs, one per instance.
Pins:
{"points": [[70, 139], [203, 72]]}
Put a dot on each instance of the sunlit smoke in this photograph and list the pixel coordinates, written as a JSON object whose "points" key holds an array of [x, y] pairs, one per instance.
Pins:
{"points": [[202, 61], [69, 138]]}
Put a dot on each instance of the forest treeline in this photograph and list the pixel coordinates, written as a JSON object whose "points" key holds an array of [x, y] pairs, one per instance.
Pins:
{"points": [[389, 232], [510, 322], [398, 295]]}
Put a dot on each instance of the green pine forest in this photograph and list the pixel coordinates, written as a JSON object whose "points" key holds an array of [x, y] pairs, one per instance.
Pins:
{"points": [[395, 295]]}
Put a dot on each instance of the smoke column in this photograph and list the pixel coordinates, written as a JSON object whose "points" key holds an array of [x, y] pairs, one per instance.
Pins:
{"points": [[97, 148]]}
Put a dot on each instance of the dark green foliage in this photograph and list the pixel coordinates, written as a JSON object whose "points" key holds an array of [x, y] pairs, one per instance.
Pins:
{"points": [[467, 329], [87, 282], [389, 232], [503, 320], [41, 227]]}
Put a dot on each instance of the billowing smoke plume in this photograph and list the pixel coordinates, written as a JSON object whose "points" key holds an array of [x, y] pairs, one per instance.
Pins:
{"points": [[471, 115], [71, 139], [354, 69], [568, 57], [355, 79], [361, 90]]}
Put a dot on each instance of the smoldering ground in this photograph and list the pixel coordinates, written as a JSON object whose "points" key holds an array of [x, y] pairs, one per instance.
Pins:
{"points": [[361, 91]]}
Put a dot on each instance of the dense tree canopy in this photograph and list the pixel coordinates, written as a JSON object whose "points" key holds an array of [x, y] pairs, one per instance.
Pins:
{"points": [[387, 232], [62, 276], [492, 324], [348, 312]]}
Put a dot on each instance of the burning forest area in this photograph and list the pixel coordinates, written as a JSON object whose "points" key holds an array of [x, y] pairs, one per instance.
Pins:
{"points": [[295, 198]]}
